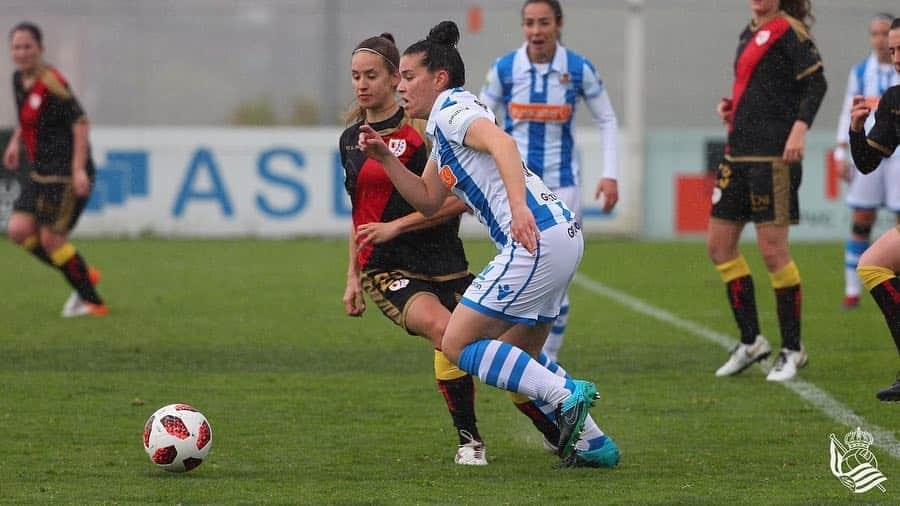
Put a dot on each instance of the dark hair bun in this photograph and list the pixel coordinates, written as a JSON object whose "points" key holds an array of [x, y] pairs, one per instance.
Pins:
{"points": [[388, 36], [445, 33]]}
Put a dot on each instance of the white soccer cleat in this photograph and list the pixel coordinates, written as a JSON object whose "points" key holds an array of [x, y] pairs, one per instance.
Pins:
{"points": [[471, 453], [74, 306], [787, 363], [745, 355]]}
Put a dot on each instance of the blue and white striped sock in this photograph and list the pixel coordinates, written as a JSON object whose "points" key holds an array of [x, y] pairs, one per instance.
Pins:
{"points": [[592, 437], [506, 366], [852, 251], [557, 333]]}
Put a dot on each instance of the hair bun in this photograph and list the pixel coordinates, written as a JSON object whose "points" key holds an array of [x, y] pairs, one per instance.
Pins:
{"points": [[388, 36], [445, 32]]}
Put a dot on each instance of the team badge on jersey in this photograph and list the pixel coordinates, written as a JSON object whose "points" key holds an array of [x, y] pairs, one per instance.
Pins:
{"points": [[34, 101], [565, 78], [397, 146], [762, 37], [398, 284]]}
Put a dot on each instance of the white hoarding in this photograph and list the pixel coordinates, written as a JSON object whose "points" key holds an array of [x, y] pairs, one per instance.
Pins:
{"points": [[272, 182]]}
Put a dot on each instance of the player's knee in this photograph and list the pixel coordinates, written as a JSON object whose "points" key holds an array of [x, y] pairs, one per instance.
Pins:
{"points": [[452, 348], [861, 229], [52, 242], [19, 230], [719, 253]]}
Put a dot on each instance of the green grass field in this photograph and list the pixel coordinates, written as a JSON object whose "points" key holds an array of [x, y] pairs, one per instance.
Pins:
{"points": [[309, 406]]}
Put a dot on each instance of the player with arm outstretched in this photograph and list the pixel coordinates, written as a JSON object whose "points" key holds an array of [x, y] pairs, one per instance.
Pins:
{"points": [[505, 314], [413, 267]]}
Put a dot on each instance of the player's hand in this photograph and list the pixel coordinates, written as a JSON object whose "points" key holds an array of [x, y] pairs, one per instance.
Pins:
{"points": [[725, 109], [375, 233], [859, 111], [796, 143], [608, 189], [372, 144], [354, 302], [842, 167], [81, 184], [11, 156], [523, 228]]}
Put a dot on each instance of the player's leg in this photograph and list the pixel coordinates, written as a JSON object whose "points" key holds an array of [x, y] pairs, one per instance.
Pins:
{"points": [[73, 267], [593, 448], [775, 186], [518, 296], [22, 230], [857, 243], [722, 247], [730, 212], [22, 227], [426, 316], [877, 270], [421, 308], [865, 194], [58, 212], [571, 196]]}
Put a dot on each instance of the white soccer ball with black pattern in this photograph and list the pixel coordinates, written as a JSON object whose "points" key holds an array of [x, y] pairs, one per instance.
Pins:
{"points": [[177, 438]]}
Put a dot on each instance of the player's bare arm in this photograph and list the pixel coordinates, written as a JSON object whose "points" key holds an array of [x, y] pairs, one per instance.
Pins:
{"points": [[483, 135]]}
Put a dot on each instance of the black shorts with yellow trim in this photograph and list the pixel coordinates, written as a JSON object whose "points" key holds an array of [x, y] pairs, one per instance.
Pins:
{"points": [[52, 202], [760, 189], [394, 290]]}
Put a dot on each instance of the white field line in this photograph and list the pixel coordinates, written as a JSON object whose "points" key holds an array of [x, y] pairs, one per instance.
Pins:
{"points": [[812, 394]]}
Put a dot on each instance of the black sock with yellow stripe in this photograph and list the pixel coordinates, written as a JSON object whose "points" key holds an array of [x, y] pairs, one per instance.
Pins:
{"points": [[33, 246], [788, 301], [458, 389], [884, 287], [75, 270], [741, 296]]}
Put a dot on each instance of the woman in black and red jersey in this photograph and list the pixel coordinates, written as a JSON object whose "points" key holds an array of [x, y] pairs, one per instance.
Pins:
{"points": [[778, 87], [414, 268], [54, 130]]}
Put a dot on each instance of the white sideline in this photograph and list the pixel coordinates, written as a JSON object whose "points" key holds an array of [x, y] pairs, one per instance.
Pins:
{"points": [[812, 394]]}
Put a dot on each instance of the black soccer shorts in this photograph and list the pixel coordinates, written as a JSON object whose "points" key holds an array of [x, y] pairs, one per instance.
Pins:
{"points": [[52, 204], [763, 190], [394, 290]]}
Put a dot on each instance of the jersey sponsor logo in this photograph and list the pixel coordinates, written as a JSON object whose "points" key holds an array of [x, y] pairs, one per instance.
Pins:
{"points": [[447, 176], [397, 146], [34, 100], [545, 113], [762, 37]]}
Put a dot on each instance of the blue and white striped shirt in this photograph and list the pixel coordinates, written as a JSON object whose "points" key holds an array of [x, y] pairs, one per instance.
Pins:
{"points": [[539, 103], [473, 176]]}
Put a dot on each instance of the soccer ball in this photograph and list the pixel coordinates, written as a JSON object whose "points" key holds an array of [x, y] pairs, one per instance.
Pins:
{"points": [[177, 437]]}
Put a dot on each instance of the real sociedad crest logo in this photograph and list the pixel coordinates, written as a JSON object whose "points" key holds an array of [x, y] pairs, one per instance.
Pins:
{"points": [[762, 37], [397, 146], [854, 465]]}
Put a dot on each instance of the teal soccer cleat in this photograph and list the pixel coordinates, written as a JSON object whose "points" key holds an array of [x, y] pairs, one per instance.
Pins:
{"points": [[605, 456], [571, 414]]}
